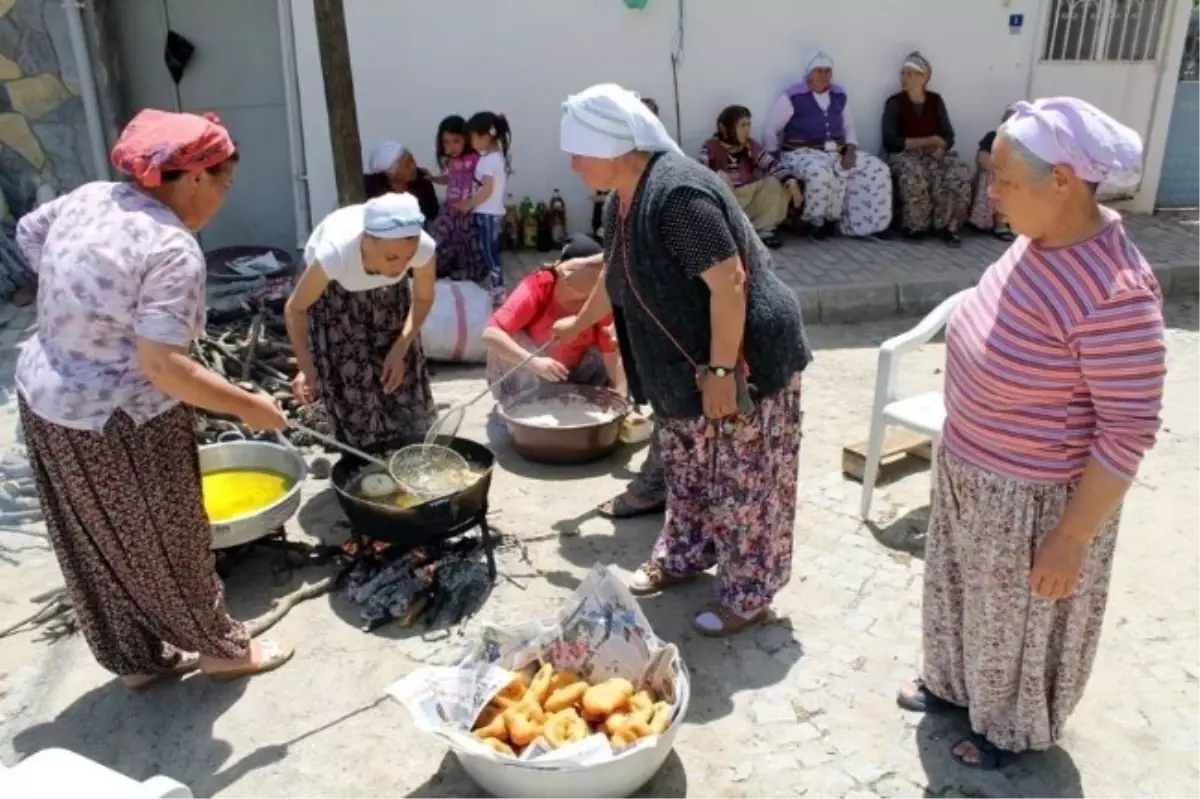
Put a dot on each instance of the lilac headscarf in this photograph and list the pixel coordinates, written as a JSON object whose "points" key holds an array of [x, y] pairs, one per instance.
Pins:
{"points": [[1074, 133]]}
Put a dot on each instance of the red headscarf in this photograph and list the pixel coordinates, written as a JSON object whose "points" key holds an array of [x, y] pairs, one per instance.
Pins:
{"points": [[159, 141]]}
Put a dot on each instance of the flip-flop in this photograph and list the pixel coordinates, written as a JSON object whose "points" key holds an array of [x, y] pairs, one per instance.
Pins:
{"points": [[731, 623], [622, 508], [991, 757], [188, 663], [273, 656], [923, 700]]}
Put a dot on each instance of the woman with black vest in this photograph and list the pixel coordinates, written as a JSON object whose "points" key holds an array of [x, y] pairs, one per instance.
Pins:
{"points": [[718, 343], [933, 183]]}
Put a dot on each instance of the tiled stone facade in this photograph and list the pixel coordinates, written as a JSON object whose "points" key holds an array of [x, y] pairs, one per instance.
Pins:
{"points": [[43, 132]]}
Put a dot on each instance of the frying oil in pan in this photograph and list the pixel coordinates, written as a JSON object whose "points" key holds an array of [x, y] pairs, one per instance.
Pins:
{"points": [[463, 479]]}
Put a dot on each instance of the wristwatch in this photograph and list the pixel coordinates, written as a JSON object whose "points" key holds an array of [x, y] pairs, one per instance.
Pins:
{"points": [[720, 371]]}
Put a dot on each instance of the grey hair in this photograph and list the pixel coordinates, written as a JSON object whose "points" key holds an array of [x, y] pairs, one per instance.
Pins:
{"points": [[1037, 166], [1040, 168]]}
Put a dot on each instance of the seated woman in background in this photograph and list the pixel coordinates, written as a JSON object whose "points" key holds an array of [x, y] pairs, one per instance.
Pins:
{"points": [[810, 129], [984, 215], [752, 173], [934, 185], [391, 168], [526, 321]]}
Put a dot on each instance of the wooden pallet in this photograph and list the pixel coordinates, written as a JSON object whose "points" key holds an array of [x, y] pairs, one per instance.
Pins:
{"points": [[902, 449]]}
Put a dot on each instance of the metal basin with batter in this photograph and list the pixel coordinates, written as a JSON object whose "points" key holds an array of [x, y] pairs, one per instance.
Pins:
{"points": [[255, 455], [570, 443]]}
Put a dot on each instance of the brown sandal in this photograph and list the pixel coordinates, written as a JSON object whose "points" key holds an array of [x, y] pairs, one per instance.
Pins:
{"points": [[731, 623], [650, 578]]}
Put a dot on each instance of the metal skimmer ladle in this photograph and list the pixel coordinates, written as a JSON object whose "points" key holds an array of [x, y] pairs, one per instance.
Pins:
{"points": [[448, 423], [399, 467]]}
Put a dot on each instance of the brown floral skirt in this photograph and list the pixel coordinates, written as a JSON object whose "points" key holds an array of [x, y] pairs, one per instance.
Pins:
{"points": [[731, 499], [1018, 663], [934, 193], [125, 517], [350, 334], [983, 210]]}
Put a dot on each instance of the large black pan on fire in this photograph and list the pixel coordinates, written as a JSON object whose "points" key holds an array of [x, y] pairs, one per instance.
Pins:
{"points": [[407, 520]]}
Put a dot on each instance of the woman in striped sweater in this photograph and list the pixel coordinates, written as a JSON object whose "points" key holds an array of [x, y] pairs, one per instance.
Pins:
{"points": [[1054, 379]]}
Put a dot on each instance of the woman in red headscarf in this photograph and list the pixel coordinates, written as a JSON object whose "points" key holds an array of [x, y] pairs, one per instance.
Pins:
{"points": [[104, 389]]}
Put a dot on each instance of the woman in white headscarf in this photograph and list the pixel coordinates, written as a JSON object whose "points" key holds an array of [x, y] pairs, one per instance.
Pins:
{"points": [[1054, 379], [355, 317], [811, 131], [718, 344], [391, 167], [933, 182]]}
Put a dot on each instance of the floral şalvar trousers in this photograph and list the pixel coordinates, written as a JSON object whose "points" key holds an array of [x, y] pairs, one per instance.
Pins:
{"points": [[731, 499]]}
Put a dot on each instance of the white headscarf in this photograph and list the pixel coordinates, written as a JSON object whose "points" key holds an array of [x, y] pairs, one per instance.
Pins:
{"points": [[607, 121], [1071, 132], [383, 156], [396, 215], [820, 60]]}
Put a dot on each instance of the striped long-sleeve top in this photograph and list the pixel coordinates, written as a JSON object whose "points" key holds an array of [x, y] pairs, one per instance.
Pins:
{"points": [[1057, 357]]}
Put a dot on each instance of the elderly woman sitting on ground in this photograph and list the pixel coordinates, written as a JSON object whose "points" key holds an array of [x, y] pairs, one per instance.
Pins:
{"points": [[718, 344], [934, 185], [1054, 384], [763, 190], [983, 215], [812, 132], [525, 322]]}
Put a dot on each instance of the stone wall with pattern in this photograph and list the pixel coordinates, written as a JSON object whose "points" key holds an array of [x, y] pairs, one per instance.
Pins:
{"points": [[43, 132]]}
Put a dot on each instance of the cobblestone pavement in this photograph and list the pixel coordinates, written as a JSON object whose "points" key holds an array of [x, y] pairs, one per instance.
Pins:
{"points": [[851, 280], [801, 706]]}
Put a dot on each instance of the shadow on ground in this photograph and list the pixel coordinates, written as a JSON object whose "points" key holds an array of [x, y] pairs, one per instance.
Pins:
{"points": [[1050, 774], [905, 534], [140, 735]]}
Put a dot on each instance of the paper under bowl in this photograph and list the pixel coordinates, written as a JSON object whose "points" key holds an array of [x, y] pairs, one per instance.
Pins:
{"points": [[616, 778]]}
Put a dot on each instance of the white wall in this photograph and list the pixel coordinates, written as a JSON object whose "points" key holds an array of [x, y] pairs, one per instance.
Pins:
{"points": [[415, 62]]}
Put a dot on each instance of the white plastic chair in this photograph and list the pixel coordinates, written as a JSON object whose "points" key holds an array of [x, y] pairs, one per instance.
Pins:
{"points": [[923, 413], [55, 772]]}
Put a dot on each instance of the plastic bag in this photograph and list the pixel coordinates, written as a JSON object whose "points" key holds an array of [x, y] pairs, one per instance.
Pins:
{"points": [[454, 329]]}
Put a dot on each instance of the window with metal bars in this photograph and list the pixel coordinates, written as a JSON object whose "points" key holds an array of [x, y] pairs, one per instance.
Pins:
{"points": [[1104, 30]]}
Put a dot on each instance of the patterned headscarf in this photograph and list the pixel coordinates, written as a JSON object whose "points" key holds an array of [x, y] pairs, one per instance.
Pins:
{"points": [[161, 141], [1074, 133], [396, 215], [920, 63]]}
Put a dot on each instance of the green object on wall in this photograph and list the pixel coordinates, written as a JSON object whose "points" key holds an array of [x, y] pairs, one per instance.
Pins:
{"points": [[636, 5]]}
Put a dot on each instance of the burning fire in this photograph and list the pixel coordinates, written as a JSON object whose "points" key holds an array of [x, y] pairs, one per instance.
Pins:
{"points": [[355, 546]]}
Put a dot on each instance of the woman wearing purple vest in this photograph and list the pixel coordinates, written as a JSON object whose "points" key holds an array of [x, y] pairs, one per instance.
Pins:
{"points": [[811, 131]]}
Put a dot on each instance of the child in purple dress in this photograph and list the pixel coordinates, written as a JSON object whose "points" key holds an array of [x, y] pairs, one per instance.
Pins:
{"points": [[459, 254]]}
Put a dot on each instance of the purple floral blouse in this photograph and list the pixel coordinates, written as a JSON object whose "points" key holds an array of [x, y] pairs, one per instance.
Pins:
{"points": [[112, 264]]}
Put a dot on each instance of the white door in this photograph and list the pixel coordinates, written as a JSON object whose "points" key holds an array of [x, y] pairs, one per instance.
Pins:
{"points": [[1105, 52], [235, 72]]}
